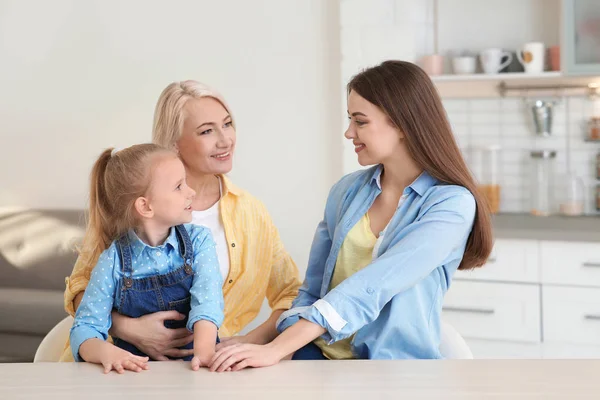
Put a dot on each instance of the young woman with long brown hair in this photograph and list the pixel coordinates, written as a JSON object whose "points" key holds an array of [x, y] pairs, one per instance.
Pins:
{"points": [[392, 237]]}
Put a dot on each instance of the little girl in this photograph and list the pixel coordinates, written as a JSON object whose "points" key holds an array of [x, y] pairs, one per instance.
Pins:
{"points": [[147, 261]]}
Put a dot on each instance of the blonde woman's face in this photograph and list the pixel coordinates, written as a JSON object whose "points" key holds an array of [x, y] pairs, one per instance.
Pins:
{"points": [[207, 142]]}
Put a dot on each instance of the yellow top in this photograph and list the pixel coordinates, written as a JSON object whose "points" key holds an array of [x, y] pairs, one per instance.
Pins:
{"points": [[355, 254], [259, 265]]}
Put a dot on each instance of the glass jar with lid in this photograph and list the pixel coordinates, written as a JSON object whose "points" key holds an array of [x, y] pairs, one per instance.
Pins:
{"points": [[542, 182], [487, 172], [573, 201]]}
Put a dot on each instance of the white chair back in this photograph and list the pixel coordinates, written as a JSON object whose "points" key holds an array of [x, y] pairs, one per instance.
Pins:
{"points": [[53, 345], [452, 344]]}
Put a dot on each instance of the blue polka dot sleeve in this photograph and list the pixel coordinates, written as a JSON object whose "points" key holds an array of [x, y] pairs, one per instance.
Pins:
{"points": [[93, 317], [207, 287]]}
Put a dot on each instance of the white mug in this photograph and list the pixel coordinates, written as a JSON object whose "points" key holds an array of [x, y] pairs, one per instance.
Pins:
{"points": [[464, 65], [491, 60], [532, 57]]}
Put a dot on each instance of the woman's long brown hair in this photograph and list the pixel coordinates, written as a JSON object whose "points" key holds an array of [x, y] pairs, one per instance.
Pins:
{"points": [[404, 92]]}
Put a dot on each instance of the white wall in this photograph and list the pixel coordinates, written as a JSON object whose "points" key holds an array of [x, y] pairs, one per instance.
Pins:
{"points": [[373, 31], [507, 24], [79, 76]]}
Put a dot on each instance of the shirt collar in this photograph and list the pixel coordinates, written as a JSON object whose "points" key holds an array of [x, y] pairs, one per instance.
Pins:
{"points": [[229, 187], [423, 183], [419, 185], [138, 246], [377, 175]]}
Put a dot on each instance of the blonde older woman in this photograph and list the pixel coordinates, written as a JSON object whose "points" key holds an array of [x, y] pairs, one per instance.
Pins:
{"points": [[195, 121]]}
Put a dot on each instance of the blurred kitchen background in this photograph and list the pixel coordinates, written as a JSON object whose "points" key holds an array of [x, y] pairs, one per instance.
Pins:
{"points": [[519, 80]]}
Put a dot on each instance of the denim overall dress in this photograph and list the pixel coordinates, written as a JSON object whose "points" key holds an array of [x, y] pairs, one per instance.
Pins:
{"points": [[164, 292]]}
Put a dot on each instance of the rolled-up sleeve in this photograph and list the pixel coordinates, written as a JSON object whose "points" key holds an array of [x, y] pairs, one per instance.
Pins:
{"points": [[207, 286], [437, 237], [310, 290]]}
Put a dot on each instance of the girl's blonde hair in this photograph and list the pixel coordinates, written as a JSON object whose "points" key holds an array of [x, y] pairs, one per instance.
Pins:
{"points": [[117, 180], [168, 114]]}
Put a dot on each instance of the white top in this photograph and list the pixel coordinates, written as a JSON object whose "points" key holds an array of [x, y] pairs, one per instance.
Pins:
{"points": [[291, 380], [211, 219]]}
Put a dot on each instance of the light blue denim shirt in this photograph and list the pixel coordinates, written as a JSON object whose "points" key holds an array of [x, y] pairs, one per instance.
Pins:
{"points": [[93, 316], [393, 304]]}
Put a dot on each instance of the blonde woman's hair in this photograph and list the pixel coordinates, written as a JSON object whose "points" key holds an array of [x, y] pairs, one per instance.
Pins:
{"points": [[117, 180], [168, 114]]}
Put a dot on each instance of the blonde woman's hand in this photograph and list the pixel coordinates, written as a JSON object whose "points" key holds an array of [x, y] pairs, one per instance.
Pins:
{"points": [[231, 340], [197, 362], [240, 356], [149, 334]]}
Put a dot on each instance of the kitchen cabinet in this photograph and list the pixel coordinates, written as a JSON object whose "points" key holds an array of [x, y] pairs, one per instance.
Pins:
{"points": [[571, 315], [580, 37], [502, 311], [533, 299]]}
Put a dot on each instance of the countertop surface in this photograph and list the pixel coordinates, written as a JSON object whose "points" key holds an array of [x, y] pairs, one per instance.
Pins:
{"points": [[526, 226], [312, 380]]}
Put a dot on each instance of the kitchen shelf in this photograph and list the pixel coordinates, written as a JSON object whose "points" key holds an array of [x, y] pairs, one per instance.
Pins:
{"points": [[517, 84], [494, 77]]}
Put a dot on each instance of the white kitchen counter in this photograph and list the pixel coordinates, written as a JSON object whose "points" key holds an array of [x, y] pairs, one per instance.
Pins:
{"points": [[311, 380], [527, 226]]}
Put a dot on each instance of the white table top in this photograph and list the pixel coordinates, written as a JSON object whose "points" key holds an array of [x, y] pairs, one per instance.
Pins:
{"points": [[311, 380]]}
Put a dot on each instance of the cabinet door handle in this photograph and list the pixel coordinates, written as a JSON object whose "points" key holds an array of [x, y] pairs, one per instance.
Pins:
{"points": [[591, 265], [469, 310], [592, 317]]}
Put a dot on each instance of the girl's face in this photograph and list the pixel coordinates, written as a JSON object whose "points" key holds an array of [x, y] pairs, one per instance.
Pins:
{"points": [[376, 140], [207, 142], [169, 198]]}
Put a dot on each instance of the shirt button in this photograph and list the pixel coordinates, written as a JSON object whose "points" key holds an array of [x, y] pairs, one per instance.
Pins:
{"points": [[158, 253], [370, 290], [232, 244], [231, 281]]}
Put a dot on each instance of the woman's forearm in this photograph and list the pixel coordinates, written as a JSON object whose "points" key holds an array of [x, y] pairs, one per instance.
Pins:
{"points": [[77, 283], [296, 336], [77, 300], [265, 332], [120, 327]]}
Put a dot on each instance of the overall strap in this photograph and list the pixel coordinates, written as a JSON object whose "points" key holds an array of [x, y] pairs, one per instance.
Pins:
{"points": [[126, 263], [185, 248]]}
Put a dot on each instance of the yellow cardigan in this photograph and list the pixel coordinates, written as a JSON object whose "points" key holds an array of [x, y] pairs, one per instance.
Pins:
{"points": [[259, 264]]}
